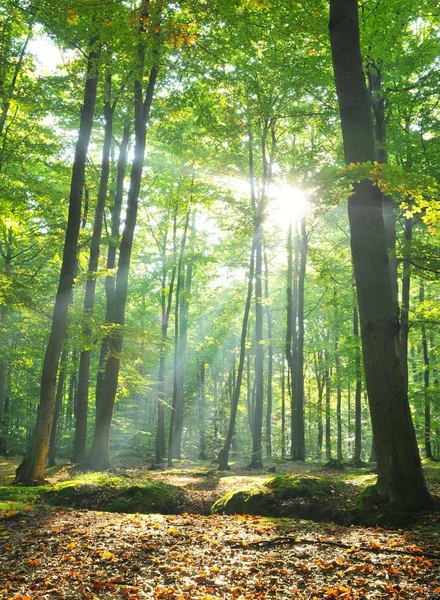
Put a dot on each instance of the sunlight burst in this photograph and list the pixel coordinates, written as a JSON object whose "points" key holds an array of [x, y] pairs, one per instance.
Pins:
{"points": [[287, 203]]}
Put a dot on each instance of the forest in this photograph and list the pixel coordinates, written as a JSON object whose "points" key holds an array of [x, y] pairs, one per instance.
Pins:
{"points": [[219, 276]]}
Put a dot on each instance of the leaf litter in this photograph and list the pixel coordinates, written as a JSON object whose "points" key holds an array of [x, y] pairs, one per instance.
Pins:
{"points": [[81, 554]]}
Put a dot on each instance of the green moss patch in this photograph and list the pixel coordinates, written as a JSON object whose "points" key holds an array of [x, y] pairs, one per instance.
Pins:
{"points": [[18, 498], [150, 497], [285, 495], [116, 494]]}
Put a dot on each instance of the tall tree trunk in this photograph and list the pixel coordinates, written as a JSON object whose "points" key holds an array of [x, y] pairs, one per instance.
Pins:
{"points": [[283, 411], [298, 451], [257, 421], [166, 300], [338, 400], [115, 210], [223, 456], [377, 97], [357, 461], [405, 303], [4, 362], [176, 417], [426, 392], [327, 383], [269, 358], [400, 476], [202, 413], [32, 468], [58, 406], [98, 458], [80, 438], [320, 382]]}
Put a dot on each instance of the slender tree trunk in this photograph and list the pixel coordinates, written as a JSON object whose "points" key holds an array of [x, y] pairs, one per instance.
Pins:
{"points": [[338, 401], [269, 359], [405, 303], [257, 421], [58, 406], [327, 382], [202, 413], [4, 363], [298, 450], [80, 438], [377, 98], [116, 210], [176, 417], [98, 458], [400, 476], [223, 456], [283, 411], [357, 461], [166, 304], [426, 392], [32, 469]]}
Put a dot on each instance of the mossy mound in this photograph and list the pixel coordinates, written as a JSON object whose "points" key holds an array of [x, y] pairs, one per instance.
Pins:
{"points": [[150, 497], [281, 496], [114, 494]]}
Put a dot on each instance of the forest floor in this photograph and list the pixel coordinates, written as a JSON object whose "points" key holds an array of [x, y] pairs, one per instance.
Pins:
{"points": [[51, 552]]}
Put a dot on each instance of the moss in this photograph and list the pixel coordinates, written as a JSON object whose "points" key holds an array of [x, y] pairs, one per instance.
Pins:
{"points": [[151, 497], [249, 502], [17, 498], [279, 496], [114, 494], [300, 486]]}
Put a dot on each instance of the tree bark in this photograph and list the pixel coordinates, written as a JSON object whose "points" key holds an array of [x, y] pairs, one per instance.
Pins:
{"points": [[426, 373], [51, 462], [32, 468], [269, 358], [405, 303], [98, 458], [358, 393], [80, 437], [400, 476], [223, 456], [176, 417]]}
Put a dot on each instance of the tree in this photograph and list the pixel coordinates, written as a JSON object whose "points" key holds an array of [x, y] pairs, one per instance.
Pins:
{"points": [[400, 476], [32, 468]]}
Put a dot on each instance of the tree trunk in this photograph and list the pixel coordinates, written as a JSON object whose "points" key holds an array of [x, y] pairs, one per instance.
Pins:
{"points": [[377, 98], [176, 417], [405, 303], [223, 456], [338, 400], [32, 468], [400, 476], [98, 458], [298, 451], [358, 393], [166, 300], [80, 438], [283, 411], [58, 406], [426, 392], [327, 383], [116, 210], [202, 414], [269, 359]]}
